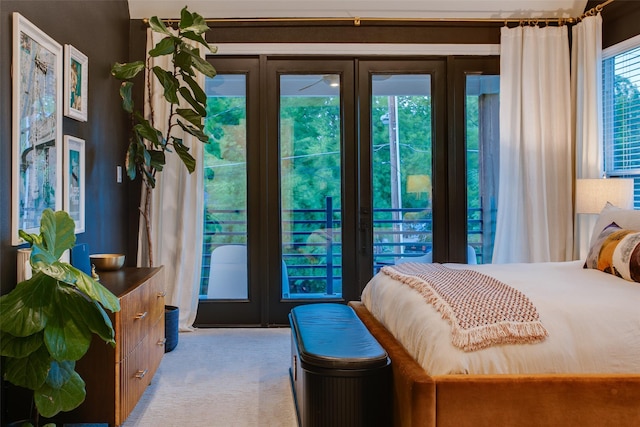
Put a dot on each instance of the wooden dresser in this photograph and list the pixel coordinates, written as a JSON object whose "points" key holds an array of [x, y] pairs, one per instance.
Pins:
{"points": [[116, 377]]}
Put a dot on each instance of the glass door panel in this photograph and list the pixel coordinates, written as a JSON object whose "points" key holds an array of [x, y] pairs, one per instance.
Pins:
{"points": [[401, 161], [482, 146], [310, 142], [224, 266]]}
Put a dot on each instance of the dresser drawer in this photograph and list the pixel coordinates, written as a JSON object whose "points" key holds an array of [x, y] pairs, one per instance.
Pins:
{"points": [[138, 368], [135, 319], [156, 298]]}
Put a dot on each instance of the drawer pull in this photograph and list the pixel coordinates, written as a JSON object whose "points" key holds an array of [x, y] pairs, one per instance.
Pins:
{"points": [[162, 294], [141, 315], [162, 341], [140, 374]]}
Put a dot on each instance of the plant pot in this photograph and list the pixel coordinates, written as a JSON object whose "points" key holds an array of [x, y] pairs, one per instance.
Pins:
{"points": [[171, 316]]}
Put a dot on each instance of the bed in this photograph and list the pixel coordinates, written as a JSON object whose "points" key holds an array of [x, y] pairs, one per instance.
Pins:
{"points": [[584, 372]]}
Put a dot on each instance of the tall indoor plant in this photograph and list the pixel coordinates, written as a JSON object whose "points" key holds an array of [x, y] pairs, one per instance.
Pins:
{"points": [[47, 321], [148, 144]]}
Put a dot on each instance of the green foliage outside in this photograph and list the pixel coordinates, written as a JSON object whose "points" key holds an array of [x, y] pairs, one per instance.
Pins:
{"points": [[626, 124], [311, 172]]}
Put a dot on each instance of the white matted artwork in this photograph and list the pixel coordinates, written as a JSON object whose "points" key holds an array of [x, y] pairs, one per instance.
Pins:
{"points": [[74, 183], [37, 127], [76, 72]]}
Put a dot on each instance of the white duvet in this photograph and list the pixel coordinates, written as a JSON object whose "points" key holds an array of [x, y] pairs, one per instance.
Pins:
{"points": [[593, 320]]}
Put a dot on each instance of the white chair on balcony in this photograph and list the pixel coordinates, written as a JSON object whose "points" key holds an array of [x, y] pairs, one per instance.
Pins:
{"points": [[228, 273]]}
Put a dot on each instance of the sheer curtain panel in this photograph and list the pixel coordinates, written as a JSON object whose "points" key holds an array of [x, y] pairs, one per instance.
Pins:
{"points": [[586, 96], [177, 210], [534, 221]]}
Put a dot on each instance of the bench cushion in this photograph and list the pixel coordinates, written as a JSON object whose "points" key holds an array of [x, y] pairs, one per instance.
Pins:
{"points": [[332, 336]]}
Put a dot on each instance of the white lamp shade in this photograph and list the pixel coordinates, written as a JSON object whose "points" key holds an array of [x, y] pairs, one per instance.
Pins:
{"points": [[593, 194]]}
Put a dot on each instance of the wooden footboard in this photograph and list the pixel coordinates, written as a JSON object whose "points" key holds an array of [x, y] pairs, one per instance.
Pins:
{"points": [[503, 400], [414, 392]]}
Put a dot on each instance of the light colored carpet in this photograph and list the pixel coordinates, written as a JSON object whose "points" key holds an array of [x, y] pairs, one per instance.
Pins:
{"points": [[221, 377]]}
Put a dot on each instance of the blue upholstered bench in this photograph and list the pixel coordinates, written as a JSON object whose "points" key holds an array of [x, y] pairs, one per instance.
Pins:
{"points": [[340, 375]]}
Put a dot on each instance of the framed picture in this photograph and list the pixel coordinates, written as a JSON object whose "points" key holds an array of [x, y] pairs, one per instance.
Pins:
{"points": [[76, 72], [74, 183], [37, 127]]}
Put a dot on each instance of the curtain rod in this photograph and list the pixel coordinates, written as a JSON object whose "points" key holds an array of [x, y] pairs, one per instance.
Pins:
{"points": [[358, 20]]}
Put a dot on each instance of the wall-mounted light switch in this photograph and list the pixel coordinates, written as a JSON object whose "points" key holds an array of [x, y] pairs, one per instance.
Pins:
{"points": [[119, 174]]}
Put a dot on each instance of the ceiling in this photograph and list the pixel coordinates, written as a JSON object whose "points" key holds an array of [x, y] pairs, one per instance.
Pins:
{"points": [[434, 9]]}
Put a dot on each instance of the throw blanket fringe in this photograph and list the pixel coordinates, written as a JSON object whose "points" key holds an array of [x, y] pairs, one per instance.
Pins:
{"points": [[482, 310]]}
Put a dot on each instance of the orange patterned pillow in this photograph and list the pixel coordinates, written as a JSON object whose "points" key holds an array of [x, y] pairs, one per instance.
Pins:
{"points": [[616, 251]]}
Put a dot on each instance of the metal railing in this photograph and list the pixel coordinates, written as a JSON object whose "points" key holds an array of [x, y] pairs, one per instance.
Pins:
{"points": [[311, 247]]}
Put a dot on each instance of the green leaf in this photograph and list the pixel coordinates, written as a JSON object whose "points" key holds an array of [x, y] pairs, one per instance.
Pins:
{"points": [[169, 83], [29, 372], [65, 337], [148, 132], [51, 401], [95, 290], [60, 373], [30, 238], [163, 47], [158, 26], [58, 234], [96, 320], [188, 160], [18, 347], [127, 97], [196, 38], [157, 159], [183, 63], [197, 91], [186, 18], [195, 104], [190, 116], [130, 163], [194, 23], [126, 71], [203, 66], [23, 310], [146, 159], [199, 63], [194, 131]]}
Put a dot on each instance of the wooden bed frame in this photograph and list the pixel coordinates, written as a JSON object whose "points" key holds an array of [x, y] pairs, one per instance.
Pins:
{"points": [[503, 400]]}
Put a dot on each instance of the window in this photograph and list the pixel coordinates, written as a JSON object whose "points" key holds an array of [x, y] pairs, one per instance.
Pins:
{"points": [[621, 111]]}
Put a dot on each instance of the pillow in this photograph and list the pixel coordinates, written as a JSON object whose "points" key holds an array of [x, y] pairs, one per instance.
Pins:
{"points": [[616, 251], [628, 219]]}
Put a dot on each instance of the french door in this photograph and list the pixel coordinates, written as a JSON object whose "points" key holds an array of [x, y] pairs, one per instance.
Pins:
{"points": [[321, 171]]}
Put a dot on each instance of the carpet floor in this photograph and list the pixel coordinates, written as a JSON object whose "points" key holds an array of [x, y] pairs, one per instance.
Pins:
{"points": [[221, 377]]}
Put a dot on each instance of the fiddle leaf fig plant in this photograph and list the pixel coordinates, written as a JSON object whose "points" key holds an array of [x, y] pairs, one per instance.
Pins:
{"points": [[148, 145], [47, 321]]}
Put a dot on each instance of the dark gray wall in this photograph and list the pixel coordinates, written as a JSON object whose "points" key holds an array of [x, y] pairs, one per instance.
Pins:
{"points": [[99, 29]]}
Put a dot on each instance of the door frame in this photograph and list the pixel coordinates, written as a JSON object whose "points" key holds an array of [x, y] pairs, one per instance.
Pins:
{"points": [[276, 309], [243, 312]]}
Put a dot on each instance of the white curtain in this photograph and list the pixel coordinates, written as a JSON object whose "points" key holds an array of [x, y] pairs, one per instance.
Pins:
{"points": [[586, 95], [534, 220], [177, 211]]}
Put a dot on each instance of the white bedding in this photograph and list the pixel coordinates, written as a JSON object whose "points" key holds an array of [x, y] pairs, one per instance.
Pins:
{"points": [[593, 320]]}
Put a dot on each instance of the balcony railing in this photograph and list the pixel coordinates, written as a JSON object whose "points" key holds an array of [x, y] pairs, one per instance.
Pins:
{"points": [[311, 248]]}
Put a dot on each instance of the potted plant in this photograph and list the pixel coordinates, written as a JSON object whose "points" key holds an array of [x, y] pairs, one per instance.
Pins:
{"points": [[188, 104], [47, 321]]}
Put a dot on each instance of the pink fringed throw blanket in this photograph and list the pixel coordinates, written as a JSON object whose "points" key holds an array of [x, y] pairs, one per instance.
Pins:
{"points": [[481, 310]]}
